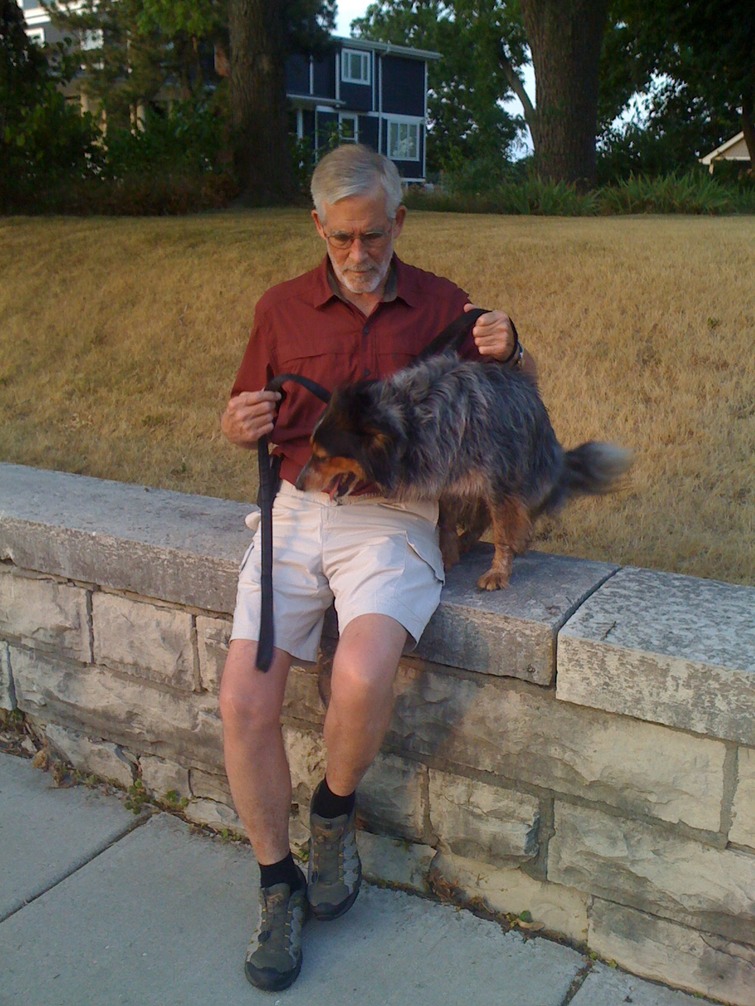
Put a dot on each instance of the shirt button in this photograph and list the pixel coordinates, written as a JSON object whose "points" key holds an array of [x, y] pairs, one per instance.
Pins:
{"points": [[366, 330], [366, 372]]}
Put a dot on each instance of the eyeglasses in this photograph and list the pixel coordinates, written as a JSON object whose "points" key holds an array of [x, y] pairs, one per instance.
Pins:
{"points": [[371, 239]]}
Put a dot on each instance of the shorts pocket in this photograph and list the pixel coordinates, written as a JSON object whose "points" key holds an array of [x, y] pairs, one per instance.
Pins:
{"points": [[427, 548]]}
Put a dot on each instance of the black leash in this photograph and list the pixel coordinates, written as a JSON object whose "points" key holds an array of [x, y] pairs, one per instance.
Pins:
{"points": [[450, 339], [268, 469]]}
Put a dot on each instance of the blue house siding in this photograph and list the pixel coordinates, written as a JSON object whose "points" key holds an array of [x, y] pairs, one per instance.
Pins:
{"points": [[403, 86]]}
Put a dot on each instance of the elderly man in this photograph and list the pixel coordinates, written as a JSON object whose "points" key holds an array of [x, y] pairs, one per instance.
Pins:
{"points": [[361, 313]]}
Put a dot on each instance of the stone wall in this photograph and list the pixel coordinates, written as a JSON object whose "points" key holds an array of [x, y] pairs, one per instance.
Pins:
{"points": [[578, 747]]}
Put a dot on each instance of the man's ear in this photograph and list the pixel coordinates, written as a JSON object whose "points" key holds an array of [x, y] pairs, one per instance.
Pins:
{"points": [[318, 224], [398, 223]]}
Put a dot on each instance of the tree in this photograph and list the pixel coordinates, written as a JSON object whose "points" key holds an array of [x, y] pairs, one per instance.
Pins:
{"points": [[565, 38], [695, 60], [262, 35], [491, 38]]}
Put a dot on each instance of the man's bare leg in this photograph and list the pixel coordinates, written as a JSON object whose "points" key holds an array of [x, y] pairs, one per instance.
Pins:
{"points": [[255, 758], [361, 700], [359, 711]]}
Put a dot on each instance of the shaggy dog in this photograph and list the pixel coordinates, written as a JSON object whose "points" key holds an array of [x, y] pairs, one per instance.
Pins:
{"points": [[476, 435]]}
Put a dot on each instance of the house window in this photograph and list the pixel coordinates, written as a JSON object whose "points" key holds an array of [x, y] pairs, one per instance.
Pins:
{"points": [[355, 66], [348, 128], [403, 140]]}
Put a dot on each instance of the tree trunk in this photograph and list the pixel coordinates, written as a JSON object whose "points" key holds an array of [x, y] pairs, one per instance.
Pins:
{"points": [[565, 38], [259, 115]]}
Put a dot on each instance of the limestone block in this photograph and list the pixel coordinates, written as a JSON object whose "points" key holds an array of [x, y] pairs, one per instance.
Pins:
{"points": [[392, 797], [391, 861], [522, 733], [45, 614], [306, 759], [647, 867], [213, 635], [144, 639], [180, 548], [665, 648], [98, 702], [478, 821], [509, 891], [214, 815], [7, 691], [92, 755], [743, 823], [667, 952], [210, 786], [161, 777], [509, 632], [303, 701]]}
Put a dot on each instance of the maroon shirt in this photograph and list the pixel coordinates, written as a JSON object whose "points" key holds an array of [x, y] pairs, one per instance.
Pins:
{"points": [[303, 327]]}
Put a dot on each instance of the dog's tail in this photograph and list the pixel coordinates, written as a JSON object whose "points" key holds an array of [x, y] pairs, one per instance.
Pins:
{"points": [[591, 469], [594, 468]]}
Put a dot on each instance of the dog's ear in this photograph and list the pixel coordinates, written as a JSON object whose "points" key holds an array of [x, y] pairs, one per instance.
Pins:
{"points": [[380, 459]]}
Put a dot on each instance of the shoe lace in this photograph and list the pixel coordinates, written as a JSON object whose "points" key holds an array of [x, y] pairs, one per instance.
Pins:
{"points": [[275, 922], [327, 853]]}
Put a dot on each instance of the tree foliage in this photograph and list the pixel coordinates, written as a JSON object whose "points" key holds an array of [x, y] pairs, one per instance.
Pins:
{"points": [[694, 62], [42, 140]]}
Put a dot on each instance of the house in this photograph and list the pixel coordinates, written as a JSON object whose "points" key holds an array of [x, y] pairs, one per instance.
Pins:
{"points": [[359, 91], [734, 149], [364, 92]]}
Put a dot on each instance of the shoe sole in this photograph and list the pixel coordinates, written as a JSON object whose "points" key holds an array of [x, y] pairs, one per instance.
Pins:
{"points": [[327, 913]]}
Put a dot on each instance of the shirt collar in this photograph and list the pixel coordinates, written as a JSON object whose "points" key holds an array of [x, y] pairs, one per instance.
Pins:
{"points": [[398, 287]]}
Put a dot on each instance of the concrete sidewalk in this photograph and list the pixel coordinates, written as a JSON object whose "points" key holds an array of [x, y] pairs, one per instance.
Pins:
{"points": [[98, 906]]}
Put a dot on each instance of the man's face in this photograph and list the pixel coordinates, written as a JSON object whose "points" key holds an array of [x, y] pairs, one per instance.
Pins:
{"points": [[362, 225]]}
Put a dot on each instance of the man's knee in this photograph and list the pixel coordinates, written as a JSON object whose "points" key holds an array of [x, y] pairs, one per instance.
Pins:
{"points": [[367, 658], [250, 700]]}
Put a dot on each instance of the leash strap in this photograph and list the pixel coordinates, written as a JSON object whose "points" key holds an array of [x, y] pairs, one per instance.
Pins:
{"points": [[268, 472], [450, 339]]}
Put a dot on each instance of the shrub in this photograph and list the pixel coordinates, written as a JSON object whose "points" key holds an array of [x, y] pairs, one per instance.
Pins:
{"points": [[694, 192]]}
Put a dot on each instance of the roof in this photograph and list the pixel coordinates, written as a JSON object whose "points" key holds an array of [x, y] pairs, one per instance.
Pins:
{"points": [[387, 47], [727, 151]]}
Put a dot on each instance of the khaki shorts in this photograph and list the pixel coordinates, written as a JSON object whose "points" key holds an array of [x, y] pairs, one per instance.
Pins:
{"points": [[368, 556]]}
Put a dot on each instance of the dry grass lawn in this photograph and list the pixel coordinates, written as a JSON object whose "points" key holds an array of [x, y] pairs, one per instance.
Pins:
{"points": [[119, 340]]}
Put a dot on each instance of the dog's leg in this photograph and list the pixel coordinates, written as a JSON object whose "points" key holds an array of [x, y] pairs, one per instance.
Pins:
{"points": [[448, 516], [512, 530], [475, 520]]}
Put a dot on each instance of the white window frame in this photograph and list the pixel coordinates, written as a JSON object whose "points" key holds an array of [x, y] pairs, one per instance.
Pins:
{"points": [[365, 76], [352, 117], [396, 125]]}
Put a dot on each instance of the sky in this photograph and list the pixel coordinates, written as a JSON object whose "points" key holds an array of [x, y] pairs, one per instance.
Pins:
{"points": [[347, 11]]}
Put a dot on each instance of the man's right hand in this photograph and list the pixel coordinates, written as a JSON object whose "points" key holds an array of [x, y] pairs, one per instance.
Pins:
{"points": [[249, 416]]}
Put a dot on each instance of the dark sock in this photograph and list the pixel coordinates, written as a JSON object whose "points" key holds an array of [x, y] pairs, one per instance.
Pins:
{"points": [[284, 872], [326, 803]]}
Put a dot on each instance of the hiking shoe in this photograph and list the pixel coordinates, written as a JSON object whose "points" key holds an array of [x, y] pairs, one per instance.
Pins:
{"points": [[273, 960], [334, 874]]}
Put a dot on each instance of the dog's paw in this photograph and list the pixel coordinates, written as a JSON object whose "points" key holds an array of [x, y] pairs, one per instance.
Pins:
{"points": [[494, 580]]}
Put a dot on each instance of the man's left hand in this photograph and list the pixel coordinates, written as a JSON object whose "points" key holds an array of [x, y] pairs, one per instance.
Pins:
{"points": [[493, 334]]}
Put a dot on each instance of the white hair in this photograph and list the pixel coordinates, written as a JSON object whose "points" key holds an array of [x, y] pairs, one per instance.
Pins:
{"points": [[355, 170]]}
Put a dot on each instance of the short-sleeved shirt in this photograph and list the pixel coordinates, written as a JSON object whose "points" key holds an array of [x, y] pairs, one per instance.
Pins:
{"points": [[304, 327]]}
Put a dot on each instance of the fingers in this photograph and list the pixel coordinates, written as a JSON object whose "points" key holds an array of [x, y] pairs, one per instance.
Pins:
{"points": [[249, 416], [493, 334]]}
